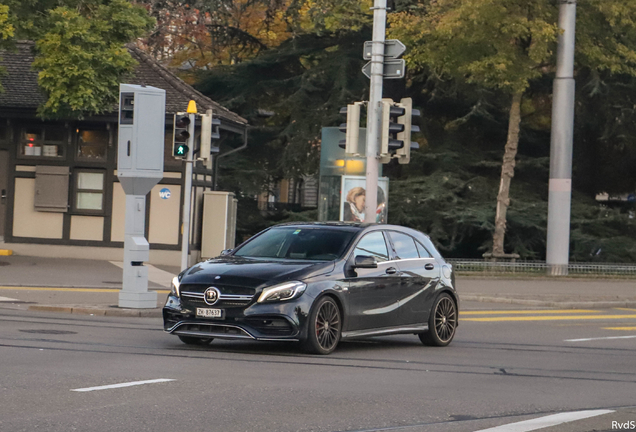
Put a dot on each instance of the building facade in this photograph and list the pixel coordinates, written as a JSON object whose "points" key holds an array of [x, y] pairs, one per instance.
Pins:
{"points": [[59, 190]]}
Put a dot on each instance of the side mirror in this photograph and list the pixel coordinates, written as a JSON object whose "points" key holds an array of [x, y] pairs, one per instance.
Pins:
{"points": [[226, 252], [363, 261]]}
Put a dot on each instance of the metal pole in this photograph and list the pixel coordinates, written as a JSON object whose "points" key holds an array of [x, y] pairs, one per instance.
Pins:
{"points": [[187, 197], [560, 187], [374, 113]]}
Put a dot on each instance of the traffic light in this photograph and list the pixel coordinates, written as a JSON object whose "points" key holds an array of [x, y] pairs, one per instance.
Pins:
{"points": [[391, 113], [181, 135], [209, 132], [351, 128], [404, 153]]}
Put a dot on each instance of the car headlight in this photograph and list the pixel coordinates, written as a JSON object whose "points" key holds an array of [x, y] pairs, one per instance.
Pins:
{"points": [[284, 291], [174, 289]]}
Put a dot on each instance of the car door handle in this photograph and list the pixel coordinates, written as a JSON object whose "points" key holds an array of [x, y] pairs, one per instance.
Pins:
{"points": [[391, 270], [429, 266]]}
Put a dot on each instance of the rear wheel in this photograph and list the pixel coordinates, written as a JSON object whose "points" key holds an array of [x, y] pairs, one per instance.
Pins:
{"points": [[191, 340], [324, 327], [442, 322]]}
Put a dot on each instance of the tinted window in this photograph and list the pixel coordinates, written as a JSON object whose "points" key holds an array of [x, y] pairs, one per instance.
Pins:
{"points": [[404, 245], [422, 250], [298, 244], [373, 244]]}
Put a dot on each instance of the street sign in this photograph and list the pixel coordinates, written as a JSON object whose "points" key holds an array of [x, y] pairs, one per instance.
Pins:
{"points": [[393, 69], [393, 49]]}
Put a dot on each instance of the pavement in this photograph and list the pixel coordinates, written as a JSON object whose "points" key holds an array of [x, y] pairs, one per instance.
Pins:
{"points": [[91, 287]]}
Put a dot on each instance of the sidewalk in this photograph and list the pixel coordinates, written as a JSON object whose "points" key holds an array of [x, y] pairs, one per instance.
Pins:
{"points": [[92, 287]]}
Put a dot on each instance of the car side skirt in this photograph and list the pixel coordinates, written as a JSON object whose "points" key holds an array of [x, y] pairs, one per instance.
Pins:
{"points": [[420, 328]]}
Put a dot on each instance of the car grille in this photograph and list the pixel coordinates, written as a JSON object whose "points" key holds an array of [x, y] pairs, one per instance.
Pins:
{"points": [[231, 297]]}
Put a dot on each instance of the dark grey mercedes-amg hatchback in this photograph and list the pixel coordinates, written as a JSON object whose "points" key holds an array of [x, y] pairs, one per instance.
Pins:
{"points": [[318, 283]]}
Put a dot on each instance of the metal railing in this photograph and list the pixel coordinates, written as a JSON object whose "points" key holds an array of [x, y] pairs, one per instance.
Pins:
{"points": [[540, 268]]}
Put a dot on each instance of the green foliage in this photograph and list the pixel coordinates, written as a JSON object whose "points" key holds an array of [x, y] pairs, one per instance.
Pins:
{"points": [[303, 83], [81, 52], [6, 29], [82, 56], [500, 44]]}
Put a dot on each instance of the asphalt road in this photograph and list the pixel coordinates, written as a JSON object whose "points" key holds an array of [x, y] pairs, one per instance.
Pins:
{"points": [[506, 365]]}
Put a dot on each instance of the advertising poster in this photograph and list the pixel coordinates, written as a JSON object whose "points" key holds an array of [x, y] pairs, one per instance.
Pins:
{"points": [[353, 198]]}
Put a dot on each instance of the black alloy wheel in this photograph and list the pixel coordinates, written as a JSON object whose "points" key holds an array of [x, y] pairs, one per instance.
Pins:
{"points": [[442, 322], [324, 327], [191, 340]]}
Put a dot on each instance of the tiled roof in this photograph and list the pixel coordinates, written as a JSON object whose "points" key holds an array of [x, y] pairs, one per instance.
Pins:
{"points": [[21, 88], [19, 81]]}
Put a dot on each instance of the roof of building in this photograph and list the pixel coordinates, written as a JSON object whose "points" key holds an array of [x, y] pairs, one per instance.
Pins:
{"points": [[21, 90]]}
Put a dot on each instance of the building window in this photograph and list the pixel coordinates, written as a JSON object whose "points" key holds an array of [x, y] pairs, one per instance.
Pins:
{"points": [[92, 144], [89, 192], [42, 142]]}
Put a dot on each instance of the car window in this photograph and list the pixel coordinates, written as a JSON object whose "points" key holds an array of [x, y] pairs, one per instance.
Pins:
{"points": [[422, 250], [295, 243], [373, 244], [404, 245]]}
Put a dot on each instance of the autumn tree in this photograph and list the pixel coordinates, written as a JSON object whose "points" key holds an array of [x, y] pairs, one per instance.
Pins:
{"points": [[505, 45]]}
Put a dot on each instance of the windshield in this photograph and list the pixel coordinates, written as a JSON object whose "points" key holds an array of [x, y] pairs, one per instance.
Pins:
{"points": [[316, 244]]}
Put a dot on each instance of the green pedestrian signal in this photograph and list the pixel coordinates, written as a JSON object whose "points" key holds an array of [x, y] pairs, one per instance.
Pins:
{"points": [[181, 150], [181, 135]]}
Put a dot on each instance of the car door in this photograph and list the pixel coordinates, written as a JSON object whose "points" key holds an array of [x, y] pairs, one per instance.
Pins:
{"points": [[372, 291], [419, 273]]}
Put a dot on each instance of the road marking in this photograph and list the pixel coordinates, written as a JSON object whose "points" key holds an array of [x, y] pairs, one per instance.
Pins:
{"points": [[7, 299], [619, 328], [626, 309], [600, 338], [155, 275], [128, 384], [524, 312], [549, 318], [93, 290], [547, 421]]}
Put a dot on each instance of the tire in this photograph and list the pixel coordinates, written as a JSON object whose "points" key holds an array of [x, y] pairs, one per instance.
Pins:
{"points": [[324, 327], [442, 322], [191, 340]]}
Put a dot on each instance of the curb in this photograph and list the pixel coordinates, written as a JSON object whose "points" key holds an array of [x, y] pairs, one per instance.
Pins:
{"points": [[599, 304], [99, 311]]}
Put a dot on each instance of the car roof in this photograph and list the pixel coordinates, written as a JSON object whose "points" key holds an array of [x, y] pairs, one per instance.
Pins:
{"points": [[357, 226]]}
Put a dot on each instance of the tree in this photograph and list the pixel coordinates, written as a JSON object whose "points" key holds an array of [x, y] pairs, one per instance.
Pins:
{"points": [[507, 44], [6, 29], [81, 52]]}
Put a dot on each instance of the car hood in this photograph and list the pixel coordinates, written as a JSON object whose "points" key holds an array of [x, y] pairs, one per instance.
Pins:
{"points": [[248, 272]]}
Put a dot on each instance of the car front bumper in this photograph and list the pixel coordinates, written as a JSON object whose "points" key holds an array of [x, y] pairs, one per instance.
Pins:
{"points": [[280, 321]]}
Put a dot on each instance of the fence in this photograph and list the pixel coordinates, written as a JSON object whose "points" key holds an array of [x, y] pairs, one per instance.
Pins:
{"points": [[541, 268]]}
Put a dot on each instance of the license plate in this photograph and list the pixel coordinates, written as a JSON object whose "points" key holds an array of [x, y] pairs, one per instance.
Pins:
{"points": [[209, 313]]}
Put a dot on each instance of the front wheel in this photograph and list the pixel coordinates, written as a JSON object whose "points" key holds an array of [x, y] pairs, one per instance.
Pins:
{"points": [[191, 340], [324, 327], [442, 322]]}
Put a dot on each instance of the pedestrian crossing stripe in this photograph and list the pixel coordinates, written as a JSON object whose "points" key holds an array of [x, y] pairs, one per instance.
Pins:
{"points": [[549, 318], [527, 312]]}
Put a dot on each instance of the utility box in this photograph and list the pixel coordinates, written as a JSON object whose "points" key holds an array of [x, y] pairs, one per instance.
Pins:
{"points": [[140, 147], [219, 223]]}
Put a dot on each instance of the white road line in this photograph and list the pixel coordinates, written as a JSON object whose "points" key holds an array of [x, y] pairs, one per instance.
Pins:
{"points": [[155, 275], [7, 299], [128, 384], [600, 338], [547, 421]]}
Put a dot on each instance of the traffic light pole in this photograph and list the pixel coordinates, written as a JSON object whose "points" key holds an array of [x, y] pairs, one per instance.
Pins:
{"points": [[560, 186], [187, 196], [374, 112]]}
